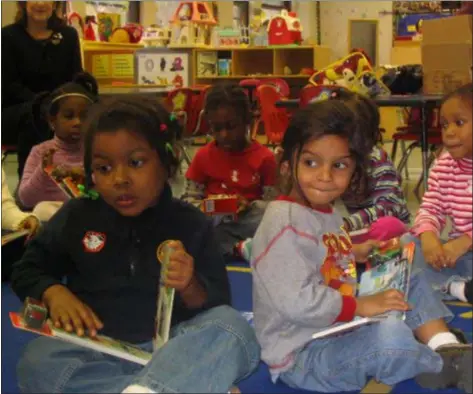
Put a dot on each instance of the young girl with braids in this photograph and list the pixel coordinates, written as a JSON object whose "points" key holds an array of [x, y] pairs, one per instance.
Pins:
{"points": [[64, 109], [107, 249], [232, 164]]}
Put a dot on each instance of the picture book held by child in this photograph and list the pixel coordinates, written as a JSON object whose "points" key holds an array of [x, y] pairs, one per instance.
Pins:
{"points": [[111, 346], [64, 109], [98, 268], [305, 278], [447, 263], [232, 165]]}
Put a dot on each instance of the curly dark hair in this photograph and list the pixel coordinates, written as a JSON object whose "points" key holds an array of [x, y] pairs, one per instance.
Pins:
{"points": [[139, 114], [229, 95], [329, 117], [367, 110], [464, 92]]}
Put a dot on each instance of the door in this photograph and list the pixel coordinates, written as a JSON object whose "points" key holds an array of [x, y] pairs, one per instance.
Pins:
{"points": [[363, 34]]}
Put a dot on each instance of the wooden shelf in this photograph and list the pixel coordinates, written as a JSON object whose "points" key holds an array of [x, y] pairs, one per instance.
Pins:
{"points": [[267, 62]]}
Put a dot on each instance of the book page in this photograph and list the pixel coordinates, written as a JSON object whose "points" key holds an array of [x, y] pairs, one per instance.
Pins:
{"points": [[165, 301]]}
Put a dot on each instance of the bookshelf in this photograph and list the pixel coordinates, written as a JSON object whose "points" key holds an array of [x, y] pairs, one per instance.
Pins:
{"points": [[265, 62]]}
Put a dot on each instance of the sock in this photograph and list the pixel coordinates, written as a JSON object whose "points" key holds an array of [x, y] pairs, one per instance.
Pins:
{"points": [[442, 339], [457, 289], [137, 389]]}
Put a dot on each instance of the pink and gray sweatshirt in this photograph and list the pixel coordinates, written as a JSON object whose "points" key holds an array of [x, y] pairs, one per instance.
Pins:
{"points": [[449, 195], [35, 185], [304, 279]]}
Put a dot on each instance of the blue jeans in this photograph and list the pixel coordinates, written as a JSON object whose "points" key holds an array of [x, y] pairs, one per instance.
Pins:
{"points": [[440, 279], [207, 354], [386, 351]]}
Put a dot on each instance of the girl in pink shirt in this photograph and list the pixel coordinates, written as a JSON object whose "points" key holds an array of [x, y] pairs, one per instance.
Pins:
{"points": [[449, 264], [65, 109]]}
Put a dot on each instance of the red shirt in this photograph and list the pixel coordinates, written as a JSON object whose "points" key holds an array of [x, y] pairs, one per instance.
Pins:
{"points": [[244, 173]]}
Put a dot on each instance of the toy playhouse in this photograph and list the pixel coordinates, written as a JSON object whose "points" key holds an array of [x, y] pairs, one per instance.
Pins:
{"points": [[285, 29], [192, 25]]}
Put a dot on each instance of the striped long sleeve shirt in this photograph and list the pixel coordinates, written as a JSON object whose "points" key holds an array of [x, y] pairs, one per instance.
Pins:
{"points": [[385, 197], [449, 195], [36, 186]]}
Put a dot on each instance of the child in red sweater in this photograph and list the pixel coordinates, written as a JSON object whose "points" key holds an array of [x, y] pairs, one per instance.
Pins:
{"points": [[232, 164]]}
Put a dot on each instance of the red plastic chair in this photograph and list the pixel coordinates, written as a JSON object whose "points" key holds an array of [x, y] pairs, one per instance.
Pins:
{"points": [[198, 102], [275, 120], [280, 84]]}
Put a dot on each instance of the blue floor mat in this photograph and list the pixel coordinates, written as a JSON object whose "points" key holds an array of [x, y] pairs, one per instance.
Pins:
{"points": [[13, 341]]}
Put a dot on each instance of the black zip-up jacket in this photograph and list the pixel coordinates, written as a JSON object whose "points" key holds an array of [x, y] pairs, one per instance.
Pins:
{"points": [[109, 261]]}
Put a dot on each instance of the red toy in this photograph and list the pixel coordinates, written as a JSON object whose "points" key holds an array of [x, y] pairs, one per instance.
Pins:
{"points": [[221, 205], [285, 29], [34, 314]]}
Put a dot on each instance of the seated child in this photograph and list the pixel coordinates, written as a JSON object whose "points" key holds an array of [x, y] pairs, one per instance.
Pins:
{"points": [[14, 219], [379, 207], [449, 195], [66, 107], [304, 277], [232, 164], [106, 247]]}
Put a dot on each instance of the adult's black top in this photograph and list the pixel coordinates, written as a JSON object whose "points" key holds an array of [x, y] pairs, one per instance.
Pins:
{"points": [[31, 66]]}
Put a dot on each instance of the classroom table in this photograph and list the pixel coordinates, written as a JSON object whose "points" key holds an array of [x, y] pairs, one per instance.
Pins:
{"points": [[424, 102]]}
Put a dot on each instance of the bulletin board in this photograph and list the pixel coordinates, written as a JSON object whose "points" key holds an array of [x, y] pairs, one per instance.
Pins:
{"points": [[407, 24], [110, 67], [161, 66]]}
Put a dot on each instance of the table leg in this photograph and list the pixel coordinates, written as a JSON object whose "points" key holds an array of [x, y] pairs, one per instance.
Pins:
{"points": [[424, 145]]}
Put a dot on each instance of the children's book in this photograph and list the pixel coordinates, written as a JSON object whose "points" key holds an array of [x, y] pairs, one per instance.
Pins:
{"points": [[66, 180], [112, 346], [165, 301], [9, 236], [391, 274], [100, 343]]}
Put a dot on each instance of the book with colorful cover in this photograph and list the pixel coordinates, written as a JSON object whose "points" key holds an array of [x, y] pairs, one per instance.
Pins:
{"points": [[121, 349], [66, 180], [391, 274], [10, 236], [165, 302], [100, 343]]}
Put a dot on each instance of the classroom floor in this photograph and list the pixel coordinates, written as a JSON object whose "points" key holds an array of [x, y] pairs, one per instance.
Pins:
{"points": [[13, 341]]}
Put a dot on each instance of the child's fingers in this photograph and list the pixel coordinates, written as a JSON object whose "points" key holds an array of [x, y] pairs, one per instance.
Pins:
{"points": [[88, 320], [176, 245], [77, 321], [98, 323]]}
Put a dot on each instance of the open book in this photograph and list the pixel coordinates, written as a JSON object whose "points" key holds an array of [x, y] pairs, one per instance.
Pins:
{"points": [[112, 346], [9, 236], [391, 274], [66, 180]]}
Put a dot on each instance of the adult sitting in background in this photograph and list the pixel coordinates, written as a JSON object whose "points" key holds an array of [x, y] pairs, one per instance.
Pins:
{"points": [[39, 53]]}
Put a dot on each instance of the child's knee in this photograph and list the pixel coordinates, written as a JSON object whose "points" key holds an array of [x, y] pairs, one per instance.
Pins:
{"points": [[393, 334], [234, 323]]}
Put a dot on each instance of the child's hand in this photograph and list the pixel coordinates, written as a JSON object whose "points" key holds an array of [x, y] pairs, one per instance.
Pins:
{"points": [[181, 267], [48, 158], [31, 223], [456, 248], [70, 313], [376, 304], [433, 250], [243, 204], [363, 250]]}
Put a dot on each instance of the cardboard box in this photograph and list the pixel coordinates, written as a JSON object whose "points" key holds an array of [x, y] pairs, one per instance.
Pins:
{"points": [[447, 53]]}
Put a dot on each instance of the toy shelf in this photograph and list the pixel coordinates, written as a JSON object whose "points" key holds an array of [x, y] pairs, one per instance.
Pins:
{"points": [[267, 62]]}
